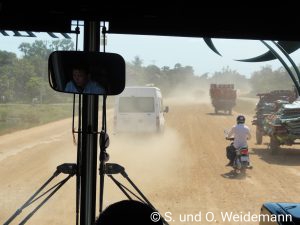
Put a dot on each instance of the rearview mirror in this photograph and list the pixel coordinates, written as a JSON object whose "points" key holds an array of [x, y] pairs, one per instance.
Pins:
{"points": [[86, 72]]}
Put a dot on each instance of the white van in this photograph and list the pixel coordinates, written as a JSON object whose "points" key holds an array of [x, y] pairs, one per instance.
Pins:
{"points": [[139, 109]]}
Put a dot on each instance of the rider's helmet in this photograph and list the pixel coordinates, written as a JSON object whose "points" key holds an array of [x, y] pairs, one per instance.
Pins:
{"points": [[240, 119]]}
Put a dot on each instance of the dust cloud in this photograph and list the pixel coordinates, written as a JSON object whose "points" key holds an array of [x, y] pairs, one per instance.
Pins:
{"points": [[150, 160], [244, 90], [189, 94]]}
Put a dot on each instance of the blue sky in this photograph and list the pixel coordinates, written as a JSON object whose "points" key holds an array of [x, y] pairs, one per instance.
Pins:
{"points": [[167, 51]]}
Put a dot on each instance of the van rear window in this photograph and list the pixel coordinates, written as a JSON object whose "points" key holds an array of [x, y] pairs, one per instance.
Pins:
{"points": [[136, 104]]}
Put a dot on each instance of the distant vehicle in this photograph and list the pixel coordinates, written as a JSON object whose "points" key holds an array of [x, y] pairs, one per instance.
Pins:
{"points": [[223, 97], [139, 109]]}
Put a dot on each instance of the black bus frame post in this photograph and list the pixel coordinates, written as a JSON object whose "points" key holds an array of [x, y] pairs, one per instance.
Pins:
{"points": [[88, 168]]}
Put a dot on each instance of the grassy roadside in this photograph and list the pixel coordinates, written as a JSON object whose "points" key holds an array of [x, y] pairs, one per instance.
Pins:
{"points": [[14, 117]]}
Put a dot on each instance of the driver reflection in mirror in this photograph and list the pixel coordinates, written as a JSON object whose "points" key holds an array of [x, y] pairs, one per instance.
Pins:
{"points": [[81, 83]]}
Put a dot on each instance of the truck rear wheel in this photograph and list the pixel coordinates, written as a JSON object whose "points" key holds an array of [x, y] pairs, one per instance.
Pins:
{"points": [[274, 145], [259, 136]]}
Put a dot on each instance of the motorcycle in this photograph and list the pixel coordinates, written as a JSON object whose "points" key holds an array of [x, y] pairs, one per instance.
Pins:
{"points": [[241, 161]]}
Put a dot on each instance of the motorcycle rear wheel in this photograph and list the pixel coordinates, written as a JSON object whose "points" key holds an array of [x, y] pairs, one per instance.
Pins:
{"points": [[240, 173]]}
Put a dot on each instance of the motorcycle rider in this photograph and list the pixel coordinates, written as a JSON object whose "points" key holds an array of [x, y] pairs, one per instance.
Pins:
{"points": [[241, 133]]}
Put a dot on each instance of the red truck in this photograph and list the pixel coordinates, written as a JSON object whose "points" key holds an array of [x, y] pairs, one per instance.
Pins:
{"points": [[223, 97]]}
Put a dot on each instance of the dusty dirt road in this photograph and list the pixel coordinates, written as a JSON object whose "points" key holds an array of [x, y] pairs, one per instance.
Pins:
{"points": [[181, 172]]}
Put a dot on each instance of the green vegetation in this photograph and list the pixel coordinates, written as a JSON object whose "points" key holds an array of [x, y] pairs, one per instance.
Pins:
{"points": [[183, 78], [20, 116], [24, 79]]}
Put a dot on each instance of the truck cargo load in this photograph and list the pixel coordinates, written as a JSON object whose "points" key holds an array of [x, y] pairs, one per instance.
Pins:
{"points": [[223, 97], [269, 103]]}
